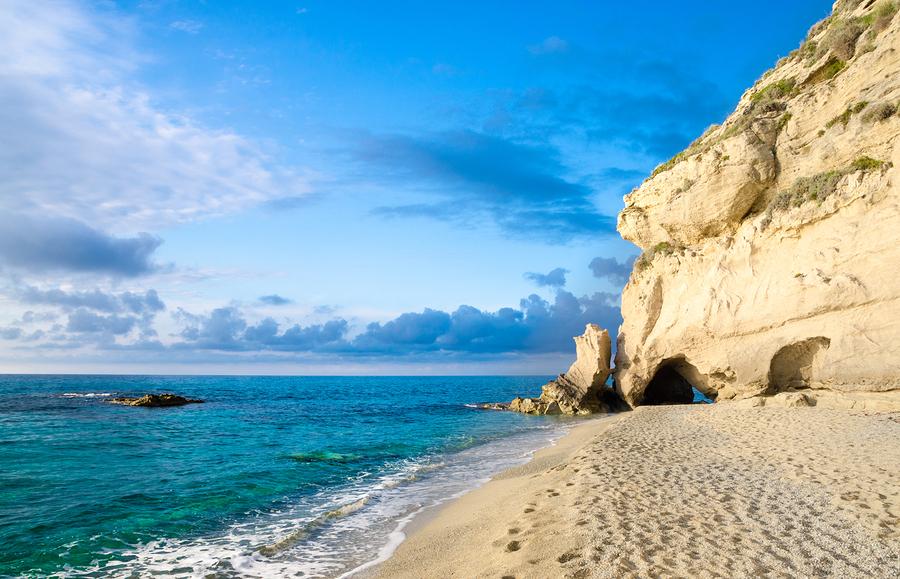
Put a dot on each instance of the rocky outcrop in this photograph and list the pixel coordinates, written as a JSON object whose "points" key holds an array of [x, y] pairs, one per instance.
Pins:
{"points": [[770, 245], [582, 389], [156, 400]]}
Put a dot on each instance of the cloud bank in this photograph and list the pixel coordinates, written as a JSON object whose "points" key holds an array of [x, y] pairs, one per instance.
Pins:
{"points": [[537, 326]]}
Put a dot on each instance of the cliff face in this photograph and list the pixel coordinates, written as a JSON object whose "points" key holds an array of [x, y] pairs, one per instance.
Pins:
{"points": [[772, 244]]}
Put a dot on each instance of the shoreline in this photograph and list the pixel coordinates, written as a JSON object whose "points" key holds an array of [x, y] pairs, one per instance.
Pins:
{"points": [[545, 457], [414, 522], [679, 490], [575, 435]]}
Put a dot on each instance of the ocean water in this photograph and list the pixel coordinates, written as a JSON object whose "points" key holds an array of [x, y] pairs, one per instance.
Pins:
{"points": [[272, 476]]}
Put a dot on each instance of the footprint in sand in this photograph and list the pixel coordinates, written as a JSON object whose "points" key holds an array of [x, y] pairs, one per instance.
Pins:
{"points": [[513, 546], [566, 557]]}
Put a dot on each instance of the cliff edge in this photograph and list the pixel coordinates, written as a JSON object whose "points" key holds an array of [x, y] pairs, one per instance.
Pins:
{"points": [[771, 244]]}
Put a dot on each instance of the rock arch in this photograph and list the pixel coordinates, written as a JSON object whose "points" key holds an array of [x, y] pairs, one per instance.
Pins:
{"points": [[674, 382]]}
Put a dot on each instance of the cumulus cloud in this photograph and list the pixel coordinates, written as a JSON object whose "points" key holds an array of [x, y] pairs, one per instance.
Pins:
{"points": [[90, 317], [274, 300], [81, 139], [147, 302], [617, 272], [82, 321], [227, 329], [521, 187], [10, 333], [553, 278], [46, 244]]}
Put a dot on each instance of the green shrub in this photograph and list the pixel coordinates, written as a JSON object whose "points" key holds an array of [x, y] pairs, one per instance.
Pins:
{"points": [[880, 18], [827, 71], [841, 38], [663, 247], [783, 120], [663, 167], [774, 91], [844, 117], [879, 112], [866, 164], [818, 27], [816, 187]]}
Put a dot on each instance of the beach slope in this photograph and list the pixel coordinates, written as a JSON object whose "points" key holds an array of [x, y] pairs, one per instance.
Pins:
{"points": [[689, 490]]}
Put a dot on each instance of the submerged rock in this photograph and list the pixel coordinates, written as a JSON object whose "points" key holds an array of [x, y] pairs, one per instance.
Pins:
{"points": [[156, 400], [490, 406], [581, 390]]}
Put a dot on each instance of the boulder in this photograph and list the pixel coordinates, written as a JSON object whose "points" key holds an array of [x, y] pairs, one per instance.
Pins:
{"points": [[156, 400]]}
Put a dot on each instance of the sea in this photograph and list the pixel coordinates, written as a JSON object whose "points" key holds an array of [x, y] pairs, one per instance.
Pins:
{"points": [[270, 477]]}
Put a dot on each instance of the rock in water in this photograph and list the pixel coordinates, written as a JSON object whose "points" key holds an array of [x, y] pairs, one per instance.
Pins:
{"points": [[581, 389], [156, 400], [770, 244]]}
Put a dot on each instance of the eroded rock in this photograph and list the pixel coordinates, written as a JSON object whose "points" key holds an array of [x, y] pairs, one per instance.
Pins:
{"points": [[581, 390]]}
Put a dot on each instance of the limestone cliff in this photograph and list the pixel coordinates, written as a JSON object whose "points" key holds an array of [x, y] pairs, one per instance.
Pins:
{"points": [[581, 390], [771, 246]]}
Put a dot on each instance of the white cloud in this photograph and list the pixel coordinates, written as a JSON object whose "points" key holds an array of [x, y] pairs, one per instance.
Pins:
{"points": [[189, 26], [81, 139]]}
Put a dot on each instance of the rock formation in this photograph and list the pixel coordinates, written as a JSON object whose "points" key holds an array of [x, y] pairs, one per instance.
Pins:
{"points": [[156, 400], [770, 245], [581, 390]]}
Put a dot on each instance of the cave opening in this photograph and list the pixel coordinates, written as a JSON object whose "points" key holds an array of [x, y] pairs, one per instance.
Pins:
{"points": [[675, 382], [792, 366]]}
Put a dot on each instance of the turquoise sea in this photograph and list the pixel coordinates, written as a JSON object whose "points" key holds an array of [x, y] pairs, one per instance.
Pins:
{"points": [[272, 476]]}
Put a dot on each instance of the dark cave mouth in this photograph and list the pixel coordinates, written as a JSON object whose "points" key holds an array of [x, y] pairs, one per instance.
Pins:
{"points": [[670, 386]]}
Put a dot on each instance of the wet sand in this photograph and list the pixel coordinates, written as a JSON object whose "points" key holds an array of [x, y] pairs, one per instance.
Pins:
{"points": [[699, 491]]}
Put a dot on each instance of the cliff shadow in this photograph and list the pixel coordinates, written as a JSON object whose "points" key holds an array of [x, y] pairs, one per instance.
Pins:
{"points": [[792, 366], [676, 381]]}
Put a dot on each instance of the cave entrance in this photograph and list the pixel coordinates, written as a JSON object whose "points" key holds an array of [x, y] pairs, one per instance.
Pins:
{"points": [[676, 381], [792, 366]]}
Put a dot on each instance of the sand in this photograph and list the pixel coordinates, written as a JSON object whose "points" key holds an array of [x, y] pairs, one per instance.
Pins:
{"points": [[696, 491]]}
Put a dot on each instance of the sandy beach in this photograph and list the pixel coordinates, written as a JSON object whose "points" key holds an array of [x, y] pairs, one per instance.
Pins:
{"points": [[695, 490]]}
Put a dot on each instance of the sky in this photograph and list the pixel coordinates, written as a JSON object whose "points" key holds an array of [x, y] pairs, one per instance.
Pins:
{"points": [[292, 187]]}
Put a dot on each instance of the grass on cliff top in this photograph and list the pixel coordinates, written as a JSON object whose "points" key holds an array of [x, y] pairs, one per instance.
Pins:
{"points": [[840, 39], [776, 90]]}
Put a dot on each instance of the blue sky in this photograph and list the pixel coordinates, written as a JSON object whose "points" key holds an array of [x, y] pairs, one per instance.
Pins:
{"points": [[341, 187]]}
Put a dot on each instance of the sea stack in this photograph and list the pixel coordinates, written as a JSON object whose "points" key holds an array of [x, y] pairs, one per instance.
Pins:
{"points": [[770, 245], [581, 390]]}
